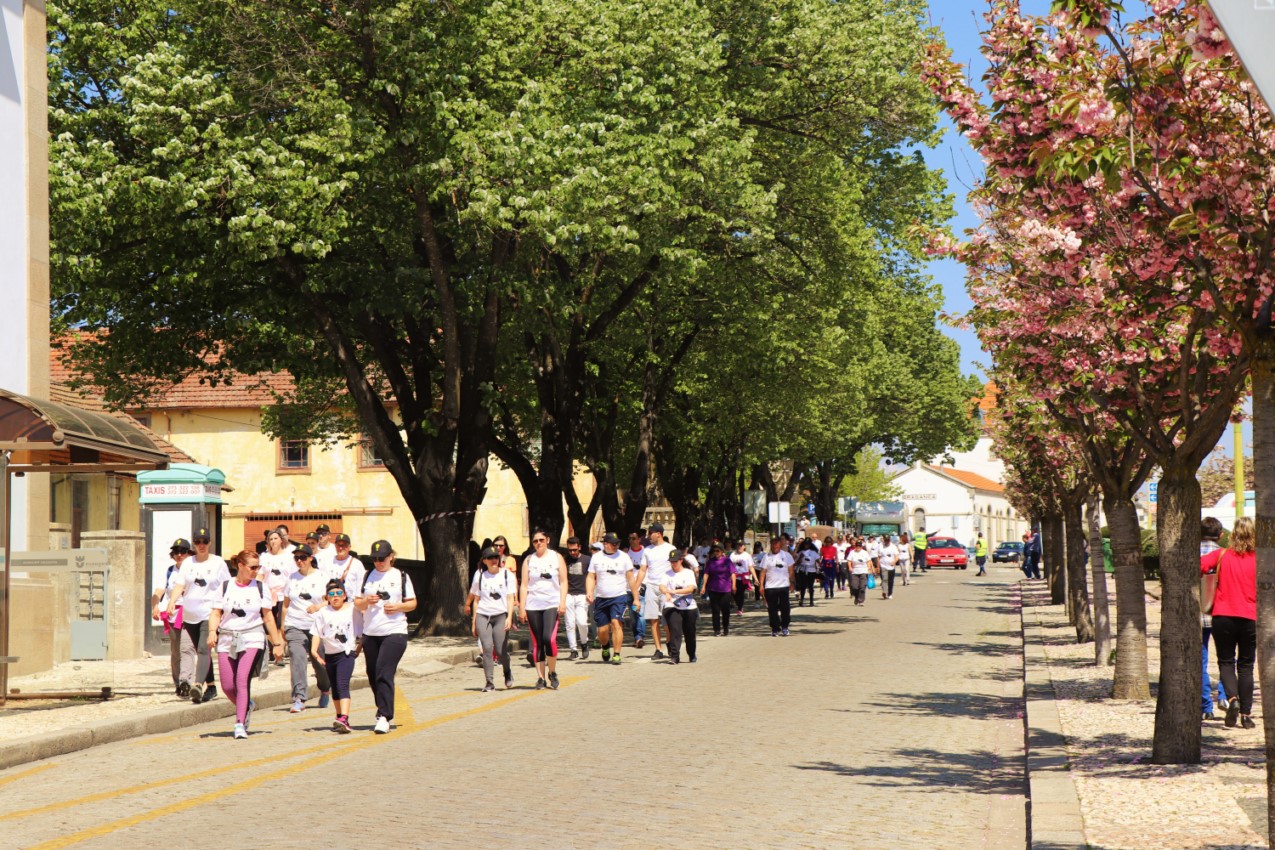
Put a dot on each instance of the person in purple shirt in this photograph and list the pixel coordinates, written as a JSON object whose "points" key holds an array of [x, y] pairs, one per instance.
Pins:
{"points": [[718, 583]]}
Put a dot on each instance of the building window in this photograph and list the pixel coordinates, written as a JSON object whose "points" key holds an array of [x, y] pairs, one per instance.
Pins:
{"points": [[294, 456], [369, 456], [143, 419]]}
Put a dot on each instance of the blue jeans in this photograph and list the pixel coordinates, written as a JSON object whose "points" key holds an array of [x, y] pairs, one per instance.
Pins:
{"points": [[1206, 687], [639, 625]]}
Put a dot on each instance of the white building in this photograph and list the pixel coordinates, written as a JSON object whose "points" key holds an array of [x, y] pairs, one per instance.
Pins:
{"points": [[959, 502]]}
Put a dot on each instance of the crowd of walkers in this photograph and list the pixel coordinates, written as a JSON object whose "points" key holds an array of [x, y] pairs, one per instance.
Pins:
{"points": [[318, 606], [317, 598]]}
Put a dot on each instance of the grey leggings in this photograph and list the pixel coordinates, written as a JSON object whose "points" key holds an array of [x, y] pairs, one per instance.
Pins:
{"points": [[198, 633], [298, 655], [493, 637]]}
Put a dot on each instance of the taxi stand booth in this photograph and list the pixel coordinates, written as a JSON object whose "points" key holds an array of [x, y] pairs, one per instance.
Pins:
{"points": [[48, 437], [176, 501]]}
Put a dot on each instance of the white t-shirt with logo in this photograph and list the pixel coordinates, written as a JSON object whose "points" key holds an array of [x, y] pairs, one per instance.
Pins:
{"points": [[889, 556], [323, 558], [396, 583], [860, 562], [543, 581], [611, 574], [680, 580], [655, 558], [313, 586], [338, 629], [494, 592], [776, 565], [202, 583], [241, 606], [275, 570], [742, 562], [337, 568], [808, 561]]}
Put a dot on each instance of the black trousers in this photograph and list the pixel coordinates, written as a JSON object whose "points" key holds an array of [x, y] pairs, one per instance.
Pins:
{"points": [[382, 655], [681, 625], [741, 588], [806, 584], [1232, 636], [778, 608], [721, 603]]}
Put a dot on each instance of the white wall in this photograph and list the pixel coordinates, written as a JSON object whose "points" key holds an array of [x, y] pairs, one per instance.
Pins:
{"points": [[14, 333]]}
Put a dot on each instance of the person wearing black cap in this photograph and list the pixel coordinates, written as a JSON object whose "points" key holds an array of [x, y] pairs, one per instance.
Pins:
{"points": [[491, 599], [610, 578], [655, 567], [680, 609], [181, 652], [577, 599], [304, 597], [198, 587], [385, 599], [324, 551]]}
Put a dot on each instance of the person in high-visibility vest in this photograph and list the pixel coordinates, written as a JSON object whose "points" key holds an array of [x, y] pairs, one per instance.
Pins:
{"points": [[980, 554], [918, 545]]}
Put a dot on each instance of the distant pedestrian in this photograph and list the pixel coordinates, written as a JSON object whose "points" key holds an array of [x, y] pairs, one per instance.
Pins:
{"points": [[778, 575], [637, 548], [980, 554], [828, 567], [610, 586], [492, 596], [336, 644], [718, 584], [919, 544], [654, 567], [887, 561], [181, 652], [1036, 551], [1235, 618], [745, 575], [905, 559], [860, 569], [234, 631], [1210, 534], [807, 559], [385, 600], [303, 598], [577, 599], [677, 590]]}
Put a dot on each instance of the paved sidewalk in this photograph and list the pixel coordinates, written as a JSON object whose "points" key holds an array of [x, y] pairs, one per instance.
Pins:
{"points": [[1126, 802], [143, 701]]}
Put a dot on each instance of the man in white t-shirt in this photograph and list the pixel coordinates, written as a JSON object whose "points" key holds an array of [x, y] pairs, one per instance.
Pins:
{"points": [[608, 584], [860, 568], [324, 551], [654, 569], [637, 547], [197, 589], [777, 576]]}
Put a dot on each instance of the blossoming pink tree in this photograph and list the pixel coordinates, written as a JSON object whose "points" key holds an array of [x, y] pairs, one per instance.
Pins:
{"points": [[1118, 254]]}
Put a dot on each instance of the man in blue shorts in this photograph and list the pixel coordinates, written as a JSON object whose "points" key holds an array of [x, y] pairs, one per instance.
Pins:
{"points": [[610, 580]]}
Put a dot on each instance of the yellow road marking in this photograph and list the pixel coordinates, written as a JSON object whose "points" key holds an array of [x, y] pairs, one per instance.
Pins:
{"points": [[256, 781], [6, 780]]}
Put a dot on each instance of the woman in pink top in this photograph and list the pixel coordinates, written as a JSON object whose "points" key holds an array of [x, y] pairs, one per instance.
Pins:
{"points": [[1235, 618]]}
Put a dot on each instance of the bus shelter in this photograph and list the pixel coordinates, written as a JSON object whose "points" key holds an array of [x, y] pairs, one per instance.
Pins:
{"points": [[40, 436]]}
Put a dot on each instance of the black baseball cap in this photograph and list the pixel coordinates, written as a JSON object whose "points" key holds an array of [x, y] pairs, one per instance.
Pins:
{"points": [[181, 544], [312, 536], [676, 555], [612, 538], [655, 526], [302, 550], [323, 528], [201, 535], [490, 552], [342, 538], [381, 550]]}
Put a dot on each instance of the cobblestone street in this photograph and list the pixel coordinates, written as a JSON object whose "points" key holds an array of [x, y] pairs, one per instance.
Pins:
{"points": [[897, 725]]}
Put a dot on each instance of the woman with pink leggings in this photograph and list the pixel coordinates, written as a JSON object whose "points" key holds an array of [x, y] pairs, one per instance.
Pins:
{"points": [[234, 632]]}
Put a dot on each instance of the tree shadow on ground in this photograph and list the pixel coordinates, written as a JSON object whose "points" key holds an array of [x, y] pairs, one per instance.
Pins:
{"points": [[997, 650], [934, 704], [978, 772]]}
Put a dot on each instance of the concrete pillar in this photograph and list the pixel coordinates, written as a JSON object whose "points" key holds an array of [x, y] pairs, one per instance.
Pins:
{"points": [[127, 592]]}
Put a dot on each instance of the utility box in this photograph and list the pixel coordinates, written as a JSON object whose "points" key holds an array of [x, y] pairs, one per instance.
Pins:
{"points": [[175, 502]]}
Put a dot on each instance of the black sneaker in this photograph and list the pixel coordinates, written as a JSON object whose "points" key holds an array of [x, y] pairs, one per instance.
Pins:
{"points": [[183, 690], [692, 659], [489, 687], [584, 653], [210, 693], [1247, 722], [540, 684], [574, 655], [606, 655], [657, 656], [553, 681], [675, 660], [1232, 712]]}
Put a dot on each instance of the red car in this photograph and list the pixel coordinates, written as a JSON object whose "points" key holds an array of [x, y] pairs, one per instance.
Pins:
{"points": [[946, 552]]}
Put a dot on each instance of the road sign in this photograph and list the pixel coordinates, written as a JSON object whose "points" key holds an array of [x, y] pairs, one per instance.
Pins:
{"points": [[1155, 486], [1250, 27], [754, 503], [778, 511]]}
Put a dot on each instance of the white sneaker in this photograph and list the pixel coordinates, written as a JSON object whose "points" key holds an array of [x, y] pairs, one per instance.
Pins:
{"points": [[297, 707], [240, 732], [382, 726]]}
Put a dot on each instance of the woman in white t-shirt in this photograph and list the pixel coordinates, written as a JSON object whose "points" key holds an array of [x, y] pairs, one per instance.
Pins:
{"points": [[905, 559], [385, 598], [198, 586], [860, 568], [303, 598], [234, 630], [807, 571], [276, 566], [491, 602], [777, 575], [887, 559], [745, 574], [337, 641], [680, 610], [543, 600], [181, 652]]}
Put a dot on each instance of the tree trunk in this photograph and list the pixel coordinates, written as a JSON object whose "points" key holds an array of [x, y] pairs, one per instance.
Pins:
{"points": [[1264, 471], [1077, 590], [1051, 532], [1131, 605], [1177, 707], [1101, 607]]}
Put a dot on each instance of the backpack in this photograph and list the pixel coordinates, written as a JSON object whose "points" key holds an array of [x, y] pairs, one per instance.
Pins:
{"points": [[402, 583]]}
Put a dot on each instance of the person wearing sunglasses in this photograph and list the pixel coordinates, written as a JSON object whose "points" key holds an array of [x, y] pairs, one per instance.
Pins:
{"points": [[234, 631], [276, 567], [181, 651], [197, 588], [336, 642], [542, 601], [491, 599], [302, 600], [385, 598], [507, 560]]}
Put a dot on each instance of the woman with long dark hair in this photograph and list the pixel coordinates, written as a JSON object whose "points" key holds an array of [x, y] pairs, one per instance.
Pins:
{"points": [[718, 585]]}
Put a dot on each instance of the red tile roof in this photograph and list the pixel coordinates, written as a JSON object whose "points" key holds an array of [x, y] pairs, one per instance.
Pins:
{"points": [[63, 394], [969, 479]]}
